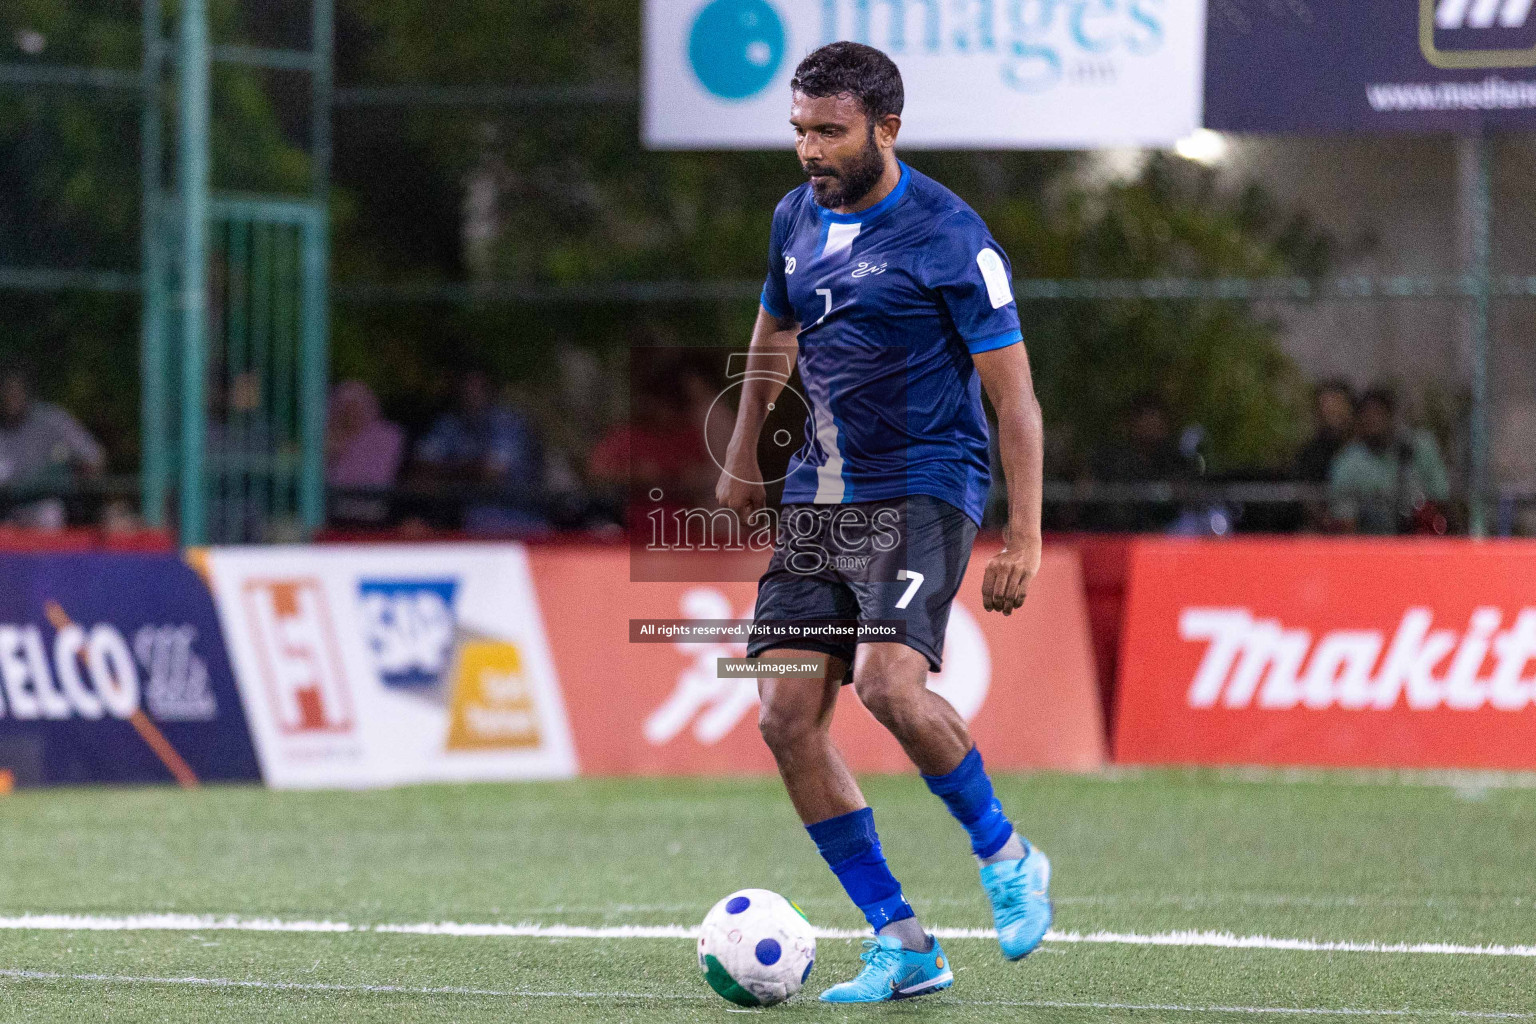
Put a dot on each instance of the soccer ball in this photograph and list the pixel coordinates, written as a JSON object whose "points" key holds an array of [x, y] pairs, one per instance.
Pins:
{"points": [[756, 948]]}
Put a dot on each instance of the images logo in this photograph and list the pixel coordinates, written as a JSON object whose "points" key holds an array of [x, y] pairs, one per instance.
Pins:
{"points": [[736, 47], [1038, 44], [409, 627], [1456, 34]]}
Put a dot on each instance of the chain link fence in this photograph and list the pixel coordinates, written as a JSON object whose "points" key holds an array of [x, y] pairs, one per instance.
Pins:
{"points": [[518, 230]]}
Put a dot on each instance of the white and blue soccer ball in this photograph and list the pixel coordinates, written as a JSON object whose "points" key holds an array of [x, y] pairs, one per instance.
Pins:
{"points": [[756, 948]]}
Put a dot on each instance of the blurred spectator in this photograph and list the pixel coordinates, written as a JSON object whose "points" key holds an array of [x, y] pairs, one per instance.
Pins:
{"points": [[665, 444], [1146, 453], [40, 445], [240, 450], [363, 451], [490, 446], [120, 518], [714, 420], [1388, 481], [1333, 418], [1514, 466]]}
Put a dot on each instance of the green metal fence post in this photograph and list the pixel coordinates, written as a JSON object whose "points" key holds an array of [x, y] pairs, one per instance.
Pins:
{"points": [[155, 459], [1481, 281], [192, 159], [236, 483], [263, 484], [315, 355]]}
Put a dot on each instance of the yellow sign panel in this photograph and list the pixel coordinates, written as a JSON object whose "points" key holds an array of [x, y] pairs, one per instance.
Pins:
{"points": [[493, 701]]}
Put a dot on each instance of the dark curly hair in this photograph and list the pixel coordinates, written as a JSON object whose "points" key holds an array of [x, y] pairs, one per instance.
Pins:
{"points": [[861, 71]]}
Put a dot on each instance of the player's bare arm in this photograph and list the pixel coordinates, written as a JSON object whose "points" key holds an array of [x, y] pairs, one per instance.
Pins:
{"points": [[740, 488], [1006, 378]]}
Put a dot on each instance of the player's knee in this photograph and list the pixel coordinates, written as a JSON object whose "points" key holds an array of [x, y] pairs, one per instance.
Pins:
{"points": [[885, 698], [786, 724]]}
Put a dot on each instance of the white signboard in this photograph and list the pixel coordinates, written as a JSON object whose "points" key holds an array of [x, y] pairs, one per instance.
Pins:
{"points": [[979, 74], [362, 666]]}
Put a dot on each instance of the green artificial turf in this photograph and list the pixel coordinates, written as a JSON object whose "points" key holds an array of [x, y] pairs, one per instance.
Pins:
{"points": [[1326, 857]]}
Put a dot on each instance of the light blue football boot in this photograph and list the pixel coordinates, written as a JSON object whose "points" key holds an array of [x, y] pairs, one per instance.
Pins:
{"points": [[1020, 891], [891, 972]]}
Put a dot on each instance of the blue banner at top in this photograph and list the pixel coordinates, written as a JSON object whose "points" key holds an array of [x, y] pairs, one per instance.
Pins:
{"points": [[1371, 66], [113, 669]]}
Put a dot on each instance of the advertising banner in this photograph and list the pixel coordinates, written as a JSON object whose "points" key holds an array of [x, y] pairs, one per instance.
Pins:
{"points": [[374, 666], [1025, 682], [990, 74], [1371, 66], [1370, 653], [112, 669]]}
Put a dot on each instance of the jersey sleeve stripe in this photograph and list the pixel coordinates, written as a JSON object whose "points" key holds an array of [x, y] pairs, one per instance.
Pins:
{"points": [[996, 341], [767, 304]]}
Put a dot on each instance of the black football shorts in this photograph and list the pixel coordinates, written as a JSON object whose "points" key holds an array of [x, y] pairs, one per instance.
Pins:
{"points": [[897, 562]]}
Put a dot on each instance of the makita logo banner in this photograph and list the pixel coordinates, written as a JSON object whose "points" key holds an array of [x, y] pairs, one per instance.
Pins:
{"points": [[1331, 652], [1259, 663]]}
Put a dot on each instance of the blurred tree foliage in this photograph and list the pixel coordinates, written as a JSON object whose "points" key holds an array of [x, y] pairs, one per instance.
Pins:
{"points": [[70, 193], [1216, 364], [564, 195]]}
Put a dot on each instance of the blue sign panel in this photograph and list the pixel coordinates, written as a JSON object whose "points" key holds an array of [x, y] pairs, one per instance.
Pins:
{"points": [[410, 629], [1371, 66], [113, 669]]}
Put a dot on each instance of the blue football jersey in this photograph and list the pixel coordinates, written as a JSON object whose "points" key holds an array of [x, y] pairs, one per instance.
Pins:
{"points": [[892, 303]]}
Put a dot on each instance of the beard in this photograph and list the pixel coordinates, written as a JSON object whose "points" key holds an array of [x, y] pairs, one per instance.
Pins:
{"points": [[848, 185]]}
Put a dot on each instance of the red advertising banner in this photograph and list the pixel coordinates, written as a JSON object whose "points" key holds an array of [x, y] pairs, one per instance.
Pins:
{"points": [[1370, 653], [1025, 682]]}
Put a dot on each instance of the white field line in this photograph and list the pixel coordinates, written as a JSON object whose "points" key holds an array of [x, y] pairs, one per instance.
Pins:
{"points": [[1186, 901], [1289, 1011], [1185, 939], [517, 993], [1272, 899], [295, 986]]}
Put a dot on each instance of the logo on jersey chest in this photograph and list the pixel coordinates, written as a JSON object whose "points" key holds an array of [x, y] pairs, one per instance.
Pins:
{"points": [[868, 267]]}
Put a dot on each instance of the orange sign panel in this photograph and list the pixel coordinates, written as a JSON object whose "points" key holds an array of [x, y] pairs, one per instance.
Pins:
{"points": [[1025, 682], [493, 699]]}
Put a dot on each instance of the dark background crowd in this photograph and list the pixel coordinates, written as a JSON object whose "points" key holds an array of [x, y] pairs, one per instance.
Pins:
{"points": [[483, 464]]}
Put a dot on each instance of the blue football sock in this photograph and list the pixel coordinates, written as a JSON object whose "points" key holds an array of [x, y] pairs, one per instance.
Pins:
{"points": [[851, 848], [967, 792]]}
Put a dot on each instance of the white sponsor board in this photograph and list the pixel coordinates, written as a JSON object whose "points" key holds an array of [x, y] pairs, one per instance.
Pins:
{"points": [[363, 666], [986, 74]]}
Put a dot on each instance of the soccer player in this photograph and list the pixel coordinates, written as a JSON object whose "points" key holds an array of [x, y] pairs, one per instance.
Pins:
{"points": [[897, 306]]}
